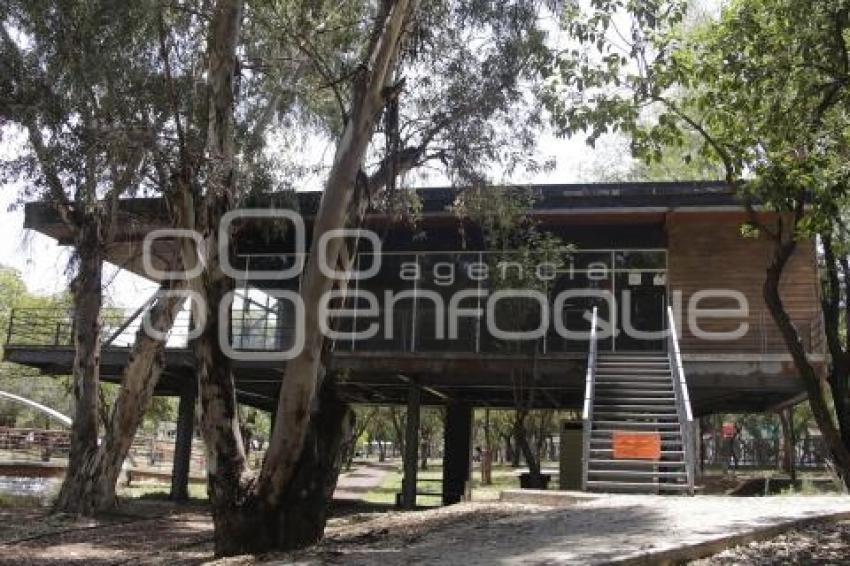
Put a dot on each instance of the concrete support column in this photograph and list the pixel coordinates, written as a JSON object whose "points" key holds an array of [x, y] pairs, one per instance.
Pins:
{"points": [[411, 445], [457, 454], [183, 445]]}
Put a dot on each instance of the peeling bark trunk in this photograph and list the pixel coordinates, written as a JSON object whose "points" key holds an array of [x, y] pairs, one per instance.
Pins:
{"points": [[226, 462], [303, 509], [94, 489], [299, 517], [140, 376], [838, 451], [254, 515], [228, 486], [299, 384], [87, 302]]}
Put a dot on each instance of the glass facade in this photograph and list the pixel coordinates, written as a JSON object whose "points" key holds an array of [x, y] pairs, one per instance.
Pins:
{"points": [[478, 302]]}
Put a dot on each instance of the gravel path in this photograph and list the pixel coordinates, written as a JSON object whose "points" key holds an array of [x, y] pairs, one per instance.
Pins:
{"points": [[606, 529], [364, 478], [827, 543]]}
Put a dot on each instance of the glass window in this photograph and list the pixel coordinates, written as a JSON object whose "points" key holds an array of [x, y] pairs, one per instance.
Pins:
{"points": [[640, 259]]}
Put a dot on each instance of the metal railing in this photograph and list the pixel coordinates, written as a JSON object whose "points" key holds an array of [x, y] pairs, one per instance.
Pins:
{"points": [[762, 335], [587, 411], [683, 401], [412, 328]]}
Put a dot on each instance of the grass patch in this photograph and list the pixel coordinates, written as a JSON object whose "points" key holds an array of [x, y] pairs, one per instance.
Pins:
{"points": [[504, 477], [8, 500], [386, 493]]}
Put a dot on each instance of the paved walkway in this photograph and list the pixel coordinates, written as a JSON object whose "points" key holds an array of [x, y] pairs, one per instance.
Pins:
{"points": [[361, 480], [610, 528]]}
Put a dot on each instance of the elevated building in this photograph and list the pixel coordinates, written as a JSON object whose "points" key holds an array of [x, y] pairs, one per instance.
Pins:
{"points": [[645, 255]]}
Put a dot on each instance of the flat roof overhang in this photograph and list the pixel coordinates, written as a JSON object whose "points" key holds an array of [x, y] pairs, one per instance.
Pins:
{"points": [[611, 204]]}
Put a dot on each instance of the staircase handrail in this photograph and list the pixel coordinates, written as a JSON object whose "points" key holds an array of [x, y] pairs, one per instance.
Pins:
{"points": [[589, 386], [683, 401]]}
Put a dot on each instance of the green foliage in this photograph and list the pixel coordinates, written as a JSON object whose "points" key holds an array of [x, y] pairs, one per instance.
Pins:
{"points": [[516, 248], [762, 90], [28, 382]]}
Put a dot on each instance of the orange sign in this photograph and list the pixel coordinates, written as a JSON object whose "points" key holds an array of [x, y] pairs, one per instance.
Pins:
{"points": [[637, 445]]}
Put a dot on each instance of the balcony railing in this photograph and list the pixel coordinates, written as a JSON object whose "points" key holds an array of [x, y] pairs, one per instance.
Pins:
{"points": [[269, 328]]}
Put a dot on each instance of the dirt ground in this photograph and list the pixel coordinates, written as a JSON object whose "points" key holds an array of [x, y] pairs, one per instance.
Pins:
{"points": [[162, 533], [142, 533], [158, 532]]}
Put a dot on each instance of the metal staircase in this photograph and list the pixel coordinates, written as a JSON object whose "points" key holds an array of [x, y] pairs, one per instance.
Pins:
{"points": [[641, 392]]}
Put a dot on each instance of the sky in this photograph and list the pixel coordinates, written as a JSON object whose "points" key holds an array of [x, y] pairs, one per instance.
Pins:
{"points": [[42, 263]]}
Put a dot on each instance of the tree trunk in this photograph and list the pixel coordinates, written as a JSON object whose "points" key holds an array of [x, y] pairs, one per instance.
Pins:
{"points": [[87, 299], [252, 515], [521, 435], [788, 460], [95, 490], [304, 506], [511, 453], [299, 384], [226, 461], [298, 518], [398, 427], [838, 382], [812, 382], [487, 456]]}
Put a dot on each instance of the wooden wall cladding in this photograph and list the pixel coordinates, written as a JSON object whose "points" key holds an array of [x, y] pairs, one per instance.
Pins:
{"points": [[708, 251]]}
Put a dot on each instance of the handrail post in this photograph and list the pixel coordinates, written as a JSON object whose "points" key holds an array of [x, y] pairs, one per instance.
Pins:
{"points": [[587, 410], [683, 402]]}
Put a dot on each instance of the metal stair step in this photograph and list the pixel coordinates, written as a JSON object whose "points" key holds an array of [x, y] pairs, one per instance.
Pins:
{"points": [[633, 424], [629, 462], [637, 474], [614, 400], [605, 385], [668, 439], [630, 370], [608, 386], [633, 362], [660, 362], [633, 415], [633, 357], [627, 393], [660, 408], [620, 383], [632, 486], [664, 453], [628, 377]]}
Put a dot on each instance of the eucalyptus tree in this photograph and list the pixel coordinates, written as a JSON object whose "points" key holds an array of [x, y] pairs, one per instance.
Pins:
{"points": [[79, 78], [444, 82], [765, 88]]}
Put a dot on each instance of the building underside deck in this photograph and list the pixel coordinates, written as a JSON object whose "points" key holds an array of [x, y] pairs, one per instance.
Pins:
{"points": [[734, 383]]}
